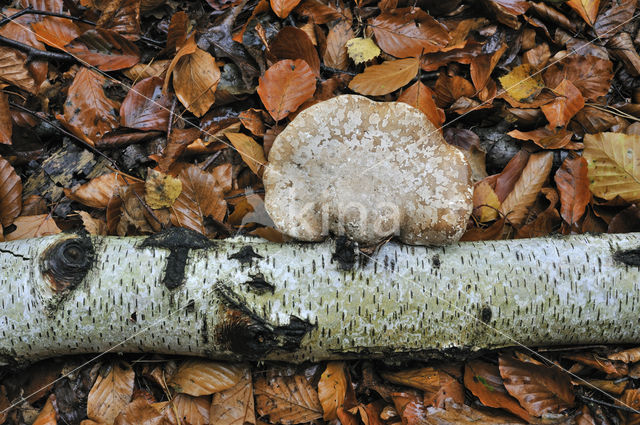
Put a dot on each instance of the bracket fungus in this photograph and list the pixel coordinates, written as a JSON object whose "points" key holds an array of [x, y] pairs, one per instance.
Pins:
{"points": [[367, 170]]}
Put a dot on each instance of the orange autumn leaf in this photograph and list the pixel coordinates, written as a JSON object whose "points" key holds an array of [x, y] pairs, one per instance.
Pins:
{"points": [[485, 202], [287, 399], [285, 86], [235, 405], [56, 32], [145, 107], [204, 377], [195, 80], [421, 97], [105, 49], [544, 137], [10, 193], [449, 89], [110, 393], [332, 389], [294, 43], [560, 110], [33, 226], [282, 8], [96, 192], [385, 78], [482, 66], [48, 415], [590, 74], [6, 124], [587, 9], [573, 184]]}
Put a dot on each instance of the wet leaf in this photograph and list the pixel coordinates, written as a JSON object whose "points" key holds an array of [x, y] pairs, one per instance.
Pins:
{"points": [[421, 97], [87, 106], [56, 32], [332, 389], [251, 152], [335, 55], [145, 107], [484, 381], [161, 190], [252, 120], [287, 399], [563, 108], [573, 185], [105, 49], [613, 166], [195, 80], [293, 43], [110, 393], [590, 74], [282, 8], [317, 12], [507, 11], [612, 19], [13, 70], [588, 9], [385, 78], [10, 193], [517, 203], [285, 86], [538, 388], [522, 82], [362, 50], [409, 32], [122, 17], [97, 192], [234, 406]]}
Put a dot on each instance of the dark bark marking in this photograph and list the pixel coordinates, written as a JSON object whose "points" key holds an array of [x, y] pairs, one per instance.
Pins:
{"points": [[245, 255], [66, 263], [630, 257], [485, 314], [345, 253], [179, 242], [259, 285], [435, 261]]}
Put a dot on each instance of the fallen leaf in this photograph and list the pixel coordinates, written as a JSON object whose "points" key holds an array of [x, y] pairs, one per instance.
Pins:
{"points": [[93, 225], [141, 71], [97, 192], [285, 86], [510, 174], [161, 190], [87, 106], [203, 377], [613, 18], [539, 389], [449, 89], [590, 74], [195, 79], [332, 389], [485, 203], [385, 78], [421, 97], [56, 32], [250, 151], [482, 66], [252, 120], [630, 355], [517, 203], [362, 50], [140, 412], [613, 165], [588, 9], [507, 11], [33, 226], [282, 8], [545, 137], [145, 107], [294, 43], [573, 185], [234, 406], [522, 82], [408, 32], [188, 409], [335, 54], [110, 393], [122, 17], [410, 408], [6, 123], [287, 399], [105, 49], [559, 111], [10, 193], [425, 378], [317, 12], [48, 415], [13, 70], [631, 398]]}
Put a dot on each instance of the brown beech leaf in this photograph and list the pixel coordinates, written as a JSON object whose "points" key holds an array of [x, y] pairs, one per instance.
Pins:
{"points": [[92, 225], [190, 410], [541, 221], [13, 70], [590, 74], [282, 8], [425, 378], [484, 381], [510, 174], [559, 111], [493, 232], [46, 5], [613, 368], [573, 184], [449, 89], [234, 406], [631, 398], [626, 221], [177, 32], [123, 17], [201, 197], [544, 137], [612, 19], [33, 226], [285, 86], [630, 355], [421, 97], [10, 193], [253, 120], [410, 408], [56, 32], [179, 139], [6, 123], [385, 78], [97, 192], [335, 55], [140, 412], [524, 193], [538, 388], [87, 106], [145, 107], [294, 43], [105, 49], [317, 11], [588, 9], [203, 377], [110, 393], [507, 11], [409, 32], [251, 152], [332, 389], [482, 66], [287, 399], [145, 70], [195, 79], [48, 415]]}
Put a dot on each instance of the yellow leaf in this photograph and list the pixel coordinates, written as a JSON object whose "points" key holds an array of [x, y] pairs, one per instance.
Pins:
{"points": [[161, 190], [251, 152], [362, 50], [613, 165], [485, 203], [521, 83], [385, 78]]}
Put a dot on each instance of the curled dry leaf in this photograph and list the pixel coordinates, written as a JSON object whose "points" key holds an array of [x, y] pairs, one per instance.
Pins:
{"points": [[250, 151], [335, 55], [332, 389], [234, 406], [569, 101], [613, 168], [318, 12], [97, 192], [421, 97], [287, 399], [524, 193], [145, 107], [545, 137], [141, 71], [630, 355], [161, 190], [195, 79], [294, 43], [110, 393], [385, 78], [10, 193], [573, 184], [87, 106], [282, 8], [202, 377], [507, 11], [408, 32], [105, 49], [539, 389], [285, 86], [449, 89], [93, 225], [482, 66], [362, 50]]}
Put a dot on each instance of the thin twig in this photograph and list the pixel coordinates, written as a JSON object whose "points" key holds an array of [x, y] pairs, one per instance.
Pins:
{"points": [[604, 403]]}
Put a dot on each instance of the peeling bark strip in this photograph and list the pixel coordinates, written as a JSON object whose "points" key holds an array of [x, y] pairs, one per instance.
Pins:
{"points": [[573, 290]]}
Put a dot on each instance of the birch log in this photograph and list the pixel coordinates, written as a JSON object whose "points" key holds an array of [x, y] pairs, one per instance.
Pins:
{"points": [[251, 299]]}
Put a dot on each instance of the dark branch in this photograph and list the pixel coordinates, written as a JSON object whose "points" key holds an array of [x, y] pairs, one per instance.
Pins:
{"points": [[36, 54]]}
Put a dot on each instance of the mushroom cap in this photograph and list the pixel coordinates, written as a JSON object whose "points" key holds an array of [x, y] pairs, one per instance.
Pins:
{"points": [[367, 170]]}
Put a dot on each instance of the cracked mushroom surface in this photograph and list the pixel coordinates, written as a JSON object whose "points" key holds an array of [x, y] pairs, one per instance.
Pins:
{"points": [[367, 170]]}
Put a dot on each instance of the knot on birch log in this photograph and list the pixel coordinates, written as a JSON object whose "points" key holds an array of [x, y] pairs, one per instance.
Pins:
{"points": [[67, 262]]}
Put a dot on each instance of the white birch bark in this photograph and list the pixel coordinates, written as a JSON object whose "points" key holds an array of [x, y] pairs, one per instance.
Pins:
{"points": [[405, 300]]}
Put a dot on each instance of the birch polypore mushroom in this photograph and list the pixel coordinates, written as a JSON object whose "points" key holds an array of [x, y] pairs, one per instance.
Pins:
{"points": [[367, 170]]}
